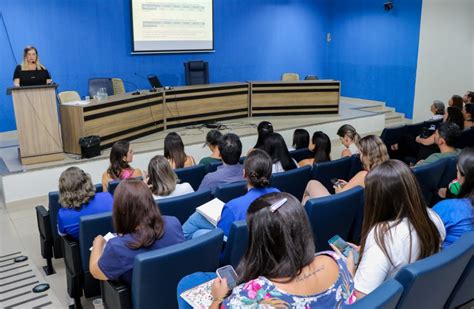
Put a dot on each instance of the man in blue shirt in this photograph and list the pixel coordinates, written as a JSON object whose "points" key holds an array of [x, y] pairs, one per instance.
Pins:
{"points": [[230, 148], [257, 172]]}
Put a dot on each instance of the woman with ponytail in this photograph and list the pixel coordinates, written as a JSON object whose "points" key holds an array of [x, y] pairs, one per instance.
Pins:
{"points": [[257, 172]]}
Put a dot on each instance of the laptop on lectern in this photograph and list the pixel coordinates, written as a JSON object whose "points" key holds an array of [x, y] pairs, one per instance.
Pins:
{"points": [[33, 78]]}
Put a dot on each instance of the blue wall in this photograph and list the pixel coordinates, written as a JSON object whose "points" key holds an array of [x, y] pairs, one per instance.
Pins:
{"points": [[374, 53], [80, 39]]}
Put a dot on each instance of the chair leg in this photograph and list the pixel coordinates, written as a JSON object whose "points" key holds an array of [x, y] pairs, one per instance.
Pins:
{"points": [[77, 303], [49, 269]]}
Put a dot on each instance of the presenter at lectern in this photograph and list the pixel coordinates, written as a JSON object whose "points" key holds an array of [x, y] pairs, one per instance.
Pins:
{"points": [[31, 72]]}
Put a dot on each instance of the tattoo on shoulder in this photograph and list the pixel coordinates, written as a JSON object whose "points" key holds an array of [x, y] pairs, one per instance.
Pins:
{"points": [[311, 273]]}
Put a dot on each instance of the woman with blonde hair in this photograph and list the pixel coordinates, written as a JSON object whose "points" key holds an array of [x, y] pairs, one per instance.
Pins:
{"points": [[162, 180], [30, 62], [372, 153], [78, 198]]}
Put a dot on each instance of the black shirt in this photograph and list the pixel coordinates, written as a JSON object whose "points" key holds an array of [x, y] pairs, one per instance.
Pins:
{"points": [[23, 82]]}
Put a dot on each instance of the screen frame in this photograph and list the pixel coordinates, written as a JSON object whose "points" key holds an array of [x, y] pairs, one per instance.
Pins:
{"points": [[179, 51]]}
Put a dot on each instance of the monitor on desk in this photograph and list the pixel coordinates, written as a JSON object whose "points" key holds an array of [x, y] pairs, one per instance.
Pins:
{"points": [[33, 78]]}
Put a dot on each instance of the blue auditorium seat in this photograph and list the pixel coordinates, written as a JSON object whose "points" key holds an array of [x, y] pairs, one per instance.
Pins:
{"points": [[392, 136], [229, 191], [450, 172], [112, 185], [325, 171], [183, 206], [156, 274], [356, 166], [301, 154], [192, 175], [428, 283], [386, 296], [293, 181], [335, 215], [466, 139], [429, 178], [464, 290], [236, 244]]}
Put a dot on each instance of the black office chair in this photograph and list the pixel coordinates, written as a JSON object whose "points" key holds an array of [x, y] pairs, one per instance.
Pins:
{"points": [[196, 72], [96, 83], [311, 77]]}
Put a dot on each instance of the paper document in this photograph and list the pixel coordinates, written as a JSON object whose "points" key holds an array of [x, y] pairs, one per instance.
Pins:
{"points": [[212, 210]]}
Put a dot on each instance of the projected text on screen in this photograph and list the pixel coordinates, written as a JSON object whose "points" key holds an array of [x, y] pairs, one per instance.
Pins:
{"points": [[172, 25]]}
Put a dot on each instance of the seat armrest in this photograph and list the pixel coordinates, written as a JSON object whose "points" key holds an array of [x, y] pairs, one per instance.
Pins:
{"points": [[116, 294], [44, 229], [72, 255]]}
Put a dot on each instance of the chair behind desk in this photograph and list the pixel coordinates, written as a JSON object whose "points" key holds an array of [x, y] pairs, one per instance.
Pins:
{"points": [[196, 72], [96, 83]]}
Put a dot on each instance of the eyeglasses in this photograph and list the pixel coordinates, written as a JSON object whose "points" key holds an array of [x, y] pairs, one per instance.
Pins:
{"points": [[275, 206]]}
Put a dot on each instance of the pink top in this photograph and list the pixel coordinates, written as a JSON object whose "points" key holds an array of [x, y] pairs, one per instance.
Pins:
{"points": [[126, 173]]}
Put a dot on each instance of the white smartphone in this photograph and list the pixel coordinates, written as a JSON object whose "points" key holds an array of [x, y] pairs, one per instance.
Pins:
{"points": [[229, 273]]}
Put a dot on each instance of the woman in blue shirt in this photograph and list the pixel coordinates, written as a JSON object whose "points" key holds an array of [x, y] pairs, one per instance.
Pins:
{"points": [[140, 228], [257, 172], [458, 214], [78, 198]]}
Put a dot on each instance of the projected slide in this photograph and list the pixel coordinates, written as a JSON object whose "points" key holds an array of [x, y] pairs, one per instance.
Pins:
{"points": [[172, 25]]}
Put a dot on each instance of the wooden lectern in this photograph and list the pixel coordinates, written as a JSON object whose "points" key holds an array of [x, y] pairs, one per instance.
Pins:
{"points": [[37, 123]]}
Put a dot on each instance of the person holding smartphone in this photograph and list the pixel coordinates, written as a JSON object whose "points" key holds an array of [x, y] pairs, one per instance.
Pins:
{"points": [[397, 229], [282, 271]]}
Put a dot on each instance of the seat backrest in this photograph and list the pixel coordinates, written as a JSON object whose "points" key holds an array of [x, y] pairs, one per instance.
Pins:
{"points": [[414, 129], [466, 139], [236, 244], [290, 76], [96, 83], [112, 185], [356, 166], [325, 171], [182, 207], [89, 228], [450, 172], [229, 191], [293, 181], [212, 167], [117, 85], [196, 72], [311, 77], [68, 96], [334, 215], [429, 177], [429, 282], [156, 274], [192, 175], [386, 296], [301, 154], [392, 136], [462, 292]]}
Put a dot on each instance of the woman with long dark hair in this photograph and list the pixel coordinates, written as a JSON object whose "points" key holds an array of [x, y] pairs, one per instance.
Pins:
{"points": [[458, 213], [300, 139], [280, 268], [264, 129], [397, 229], [276, 148], [140, 228], [174, 152], [121, 155], [321, 148]]}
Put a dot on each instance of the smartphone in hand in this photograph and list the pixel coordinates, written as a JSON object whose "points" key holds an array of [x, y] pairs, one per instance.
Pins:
{"points": [[229, 273], [337, 183], [344, 247]]}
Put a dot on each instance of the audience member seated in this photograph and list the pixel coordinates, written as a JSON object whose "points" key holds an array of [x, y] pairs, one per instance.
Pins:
{"points": [[78, 198], [456, 101], [468, 113], [445, 138], [349, 137], [280, 268], [162, 180], [257, 173], [212, 142], [230, 149], [468, 97], [458, 213], [372, 153], [300, 139], [438, 110], [140, 228], [174, 152], [321, 145], [121, 155], [276, 148], [398, 229], [264, 129]]}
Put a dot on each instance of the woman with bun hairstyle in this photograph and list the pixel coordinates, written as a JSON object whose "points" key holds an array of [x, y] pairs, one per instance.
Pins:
{"points": [[257, 173], [264, 129]]}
